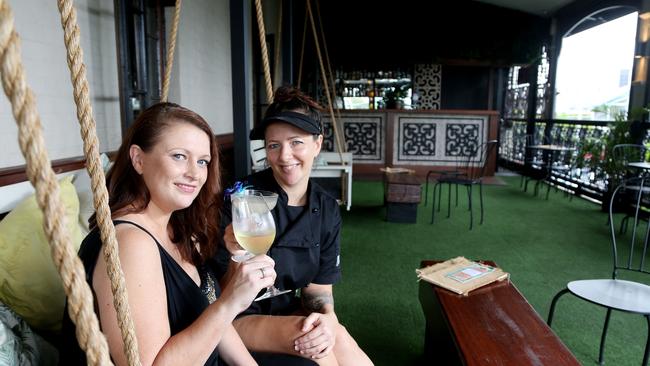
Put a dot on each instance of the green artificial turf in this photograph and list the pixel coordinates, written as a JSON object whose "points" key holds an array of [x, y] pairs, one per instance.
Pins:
{"points": [[542, 244]]}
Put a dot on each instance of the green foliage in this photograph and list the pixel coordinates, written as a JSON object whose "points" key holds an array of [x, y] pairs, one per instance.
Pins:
{"points": [[639, 113], [395, 94], [596, 153], [603, 108]]}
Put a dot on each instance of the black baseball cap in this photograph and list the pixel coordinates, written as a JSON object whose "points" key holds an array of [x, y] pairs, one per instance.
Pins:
{"points": [[300, 120]]}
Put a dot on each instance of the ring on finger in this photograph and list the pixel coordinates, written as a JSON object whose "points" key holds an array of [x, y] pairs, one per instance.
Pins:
{"points": [[263, 274]]}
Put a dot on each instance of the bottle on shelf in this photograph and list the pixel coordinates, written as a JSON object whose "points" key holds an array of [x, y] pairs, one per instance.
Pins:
{"points": [[371, 95]]}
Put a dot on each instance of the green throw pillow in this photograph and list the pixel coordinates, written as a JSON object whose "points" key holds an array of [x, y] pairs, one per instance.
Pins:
{"points": [[29, 282]]}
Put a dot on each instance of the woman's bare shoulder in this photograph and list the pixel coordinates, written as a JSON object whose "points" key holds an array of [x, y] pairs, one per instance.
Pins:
{"points": [[136, 245]]}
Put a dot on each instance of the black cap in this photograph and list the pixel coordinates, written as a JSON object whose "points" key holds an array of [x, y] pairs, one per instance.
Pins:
{"points": [[300, 120]]}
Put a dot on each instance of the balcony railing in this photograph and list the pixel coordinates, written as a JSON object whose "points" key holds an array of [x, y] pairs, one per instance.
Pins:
{"points": [[568, 133]]}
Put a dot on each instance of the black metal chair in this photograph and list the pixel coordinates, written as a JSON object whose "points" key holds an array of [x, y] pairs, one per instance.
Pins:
{"points": [[622, 155], [470, 171], [547, 162], [561, 166], [615, 293], [535, 167], [456, 171]]}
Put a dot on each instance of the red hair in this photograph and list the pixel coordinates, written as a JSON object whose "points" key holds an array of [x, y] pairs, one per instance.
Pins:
{"points": [[196, 224]]}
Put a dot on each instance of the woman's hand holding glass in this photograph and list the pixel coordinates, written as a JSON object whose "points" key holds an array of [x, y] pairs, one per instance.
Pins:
{"points": [[232, 245], [248, 279], [254, 227]]}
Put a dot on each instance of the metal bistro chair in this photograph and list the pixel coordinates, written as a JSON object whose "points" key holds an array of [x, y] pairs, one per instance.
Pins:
{"points": [[546, 162], [629, 254], [472, 170], [560, 168], [534, 165], [622, 155]]}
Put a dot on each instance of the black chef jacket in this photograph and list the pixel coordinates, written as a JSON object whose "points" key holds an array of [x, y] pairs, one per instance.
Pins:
{"points": [[306, 250]]}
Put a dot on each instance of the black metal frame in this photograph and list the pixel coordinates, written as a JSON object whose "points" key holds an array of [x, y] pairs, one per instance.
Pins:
{"points": [[140, 34], [641, 187], [240, 35], [579, 188], [468, 175]]}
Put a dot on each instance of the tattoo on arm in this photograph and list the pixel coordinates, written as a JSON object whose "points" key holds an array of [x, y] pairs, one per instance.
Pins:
{"points": [[314, 302]]}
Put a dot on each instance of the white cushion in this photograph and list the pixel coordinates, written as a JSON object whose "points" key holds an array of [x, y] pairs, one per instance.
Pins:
{"points": [[84, 189], [81, 183]]}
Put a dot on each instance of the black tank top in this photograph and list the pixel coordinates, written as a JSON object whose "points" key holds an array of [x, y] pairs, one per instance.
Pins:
{"points": [[185, 300]]}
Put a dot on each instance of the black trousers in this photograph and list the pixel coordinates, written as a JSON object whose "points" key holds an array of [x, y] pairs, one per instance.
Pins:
{"points": [[274, 359]]}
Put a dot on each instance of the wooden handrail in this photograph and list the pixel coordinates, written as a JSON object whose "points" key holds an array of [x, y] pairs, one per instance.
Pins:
{"points": [[16, 174]]}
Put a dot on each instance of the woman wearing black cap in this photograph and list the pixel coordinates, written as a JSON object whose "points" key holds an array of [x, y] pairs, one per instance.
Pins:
{"points": [[307, 245]]}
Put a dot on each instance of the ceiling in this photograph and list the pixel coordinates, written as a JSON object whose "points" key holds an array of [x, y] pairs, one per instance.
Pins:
{"points": [[536, 7]]}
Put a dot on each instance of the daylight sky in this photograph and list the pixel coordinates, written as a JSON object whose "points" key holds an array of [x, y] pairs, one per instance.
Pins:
{"points": [[591, 64]]}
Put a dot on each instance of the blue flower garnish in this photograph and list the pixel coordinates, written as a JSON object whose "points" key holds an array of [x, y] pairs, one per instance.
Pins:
{"points": [[238, 187]]}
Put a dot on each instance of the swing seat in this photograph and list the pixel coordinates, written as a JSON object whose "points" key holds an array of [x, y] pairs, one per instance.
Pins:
{"points": [[330, 165], [31, 286]]}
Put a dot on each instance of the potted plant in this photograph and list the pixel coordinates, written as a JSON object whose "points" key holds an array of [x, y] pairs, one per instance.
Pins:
{"points": [[394, 95], [595, 154]]}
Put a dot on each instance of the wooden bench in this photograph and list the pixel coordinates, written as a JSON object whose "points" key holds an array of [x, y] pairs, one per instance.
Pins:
{"points": [[14, 184], [493, 325]]}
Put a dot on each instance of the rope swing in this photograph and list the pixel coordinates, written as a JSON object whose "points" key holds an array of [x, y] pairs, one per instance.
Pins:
{"points": [[302, 49], [337, 136], [278, 48], [170, 52], [42, 177], [267, 70], [265, 53], [98, 180], [331, 77]]}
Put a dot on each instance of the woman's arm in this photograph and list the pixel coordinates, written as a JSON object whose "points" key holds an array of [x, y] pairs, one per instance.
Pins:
{"points": [[140, 261], [318, 299], [232, 349], [320, 324]]}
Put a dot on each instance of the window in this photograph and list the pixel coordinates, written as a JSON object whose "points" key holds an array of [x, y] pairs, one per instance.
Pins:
{"points": [[594, 71]]}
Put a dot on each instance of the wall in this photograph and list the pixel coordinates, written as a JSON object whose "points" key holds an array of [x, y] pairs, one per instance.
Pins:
{"points": [[202, 78], [44, 59], [369, 36], [465, 87]]}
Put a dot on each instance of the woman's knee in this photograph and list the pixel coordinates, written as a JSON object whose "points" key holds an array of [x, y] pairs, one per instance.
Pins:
{"points": [[268, 333], [344, 341]]}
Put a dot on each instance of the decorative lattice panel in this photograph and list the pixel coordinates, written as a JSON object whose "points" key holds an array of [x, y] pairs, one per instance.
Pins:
{"points": [[437, 140], [364, 137], [427, 84]]}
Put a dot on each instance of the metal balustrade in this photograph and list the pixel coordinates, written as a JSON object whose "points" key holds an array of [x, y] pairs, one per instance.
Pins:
{"points": [[569, 133]]}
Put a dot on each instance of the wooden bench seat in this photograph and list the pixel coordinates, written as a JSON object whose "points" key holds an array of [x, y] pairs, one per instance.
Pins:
{"points": [[494, 325]]}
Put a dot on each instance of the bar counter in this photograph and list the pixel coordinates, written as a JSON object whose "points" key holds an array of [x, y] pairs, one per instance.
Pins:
{"points": [[421, 140]]}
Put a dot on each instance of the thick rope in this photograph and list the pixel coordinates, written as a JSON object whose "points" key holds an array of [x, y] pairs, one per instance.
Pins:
{"points": [[278, 48], [98, 180], [42, 177], [337, 137], [328, 65], [302, 49], [170, 52], [265, 52]]}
